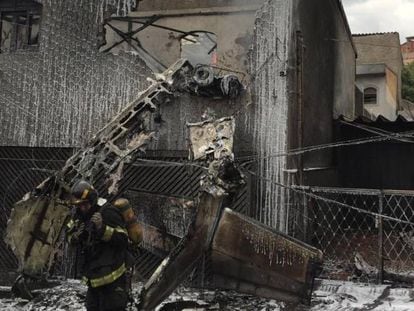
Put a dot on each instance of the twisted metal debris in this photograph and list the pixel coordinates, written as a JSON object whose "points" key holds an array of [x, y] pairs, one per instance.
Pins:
{"points": [[36, 221]]}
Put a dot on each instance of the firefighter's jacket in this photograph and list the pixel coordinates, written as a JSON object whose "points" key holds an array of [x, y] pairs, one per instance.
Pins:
{"points": [[104, 251]]}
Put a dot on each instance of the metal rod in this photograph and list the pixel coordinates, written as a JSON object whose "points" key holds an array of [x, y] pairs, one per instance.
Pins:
{"points": [[196, 13], [1, 30], [380, 240], [29, 21], [130, 34], [300, 112], [184, 33]]}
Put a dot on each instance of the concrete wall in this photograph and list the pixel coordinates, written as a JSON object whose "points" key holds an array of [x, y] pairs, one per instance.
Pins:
{"points": [[269, 68], [233, 30], [392, 87], [387, 93], [233, 24], [328, 75], [63, 93], [161, 5]]}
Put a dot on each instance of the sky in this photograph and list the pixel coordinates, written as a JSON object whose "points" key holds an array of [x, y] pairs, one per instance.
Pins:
{"points": [[366, 16]]}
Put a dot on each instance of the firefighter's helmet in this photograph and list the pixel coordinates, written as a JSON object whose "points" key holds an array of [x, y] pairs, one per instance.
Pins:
{"points": [[82, 191]]}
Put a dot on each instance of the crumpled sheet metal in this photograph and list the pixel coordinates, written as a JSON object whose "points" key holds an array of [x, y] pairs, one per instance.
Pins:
{"points": [[211, 137], [247, 254], [218, 136], [32, 240]]}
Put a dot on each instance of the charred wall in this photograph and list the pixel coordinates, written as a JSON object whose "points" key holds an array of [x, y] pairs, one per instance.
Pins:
{"points": [[63, 93], [153, 5], [324, 76], [303, 68], [269, 69]]}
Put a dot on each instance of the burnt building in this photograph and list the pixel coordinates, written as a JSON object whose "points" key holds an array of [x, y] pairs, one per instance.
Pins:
{"points": [[88, 59]]}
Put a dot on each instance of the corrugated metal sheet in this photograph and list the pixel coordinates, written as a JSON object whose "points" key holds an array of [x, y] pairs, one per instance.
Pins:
{"points": [[375, 165]]}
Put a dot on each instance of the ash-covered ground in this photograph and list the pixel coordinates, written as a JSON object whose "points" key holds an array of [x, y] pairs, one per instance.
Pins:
{"points": [[328, 296]]}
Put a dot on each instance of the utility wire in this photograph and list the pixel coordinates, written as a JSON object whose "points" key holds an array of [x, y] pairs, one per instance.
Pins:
{"points": [[299, 151], [380, 132], [384, 136], [318, 197]]}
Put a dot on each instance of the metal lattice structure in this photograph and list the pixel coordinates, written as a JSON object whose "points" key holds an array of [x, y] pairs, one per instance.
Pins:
{"points": [[323, 217], [376, 225]]}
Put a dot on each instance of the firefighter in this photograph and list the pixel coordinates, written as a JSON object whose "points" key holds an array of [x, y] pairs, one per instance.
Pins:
{"points": [[101, 234]]}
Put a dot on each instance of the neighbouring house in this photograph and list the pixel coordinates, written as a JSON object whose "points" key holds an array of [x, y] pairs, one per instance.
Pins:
{"points": [[378, 74], [296, 59], [407, 49]]}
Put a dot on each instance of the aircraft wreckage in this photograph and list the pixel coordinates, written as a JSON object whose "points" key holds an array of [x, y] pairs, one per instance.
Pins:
{"points": [[245, 255]]}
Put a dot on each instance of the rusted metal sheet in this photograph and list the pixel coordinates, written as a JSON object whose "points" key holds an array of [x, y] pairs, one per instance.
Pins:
{"points": [[256, 259]]}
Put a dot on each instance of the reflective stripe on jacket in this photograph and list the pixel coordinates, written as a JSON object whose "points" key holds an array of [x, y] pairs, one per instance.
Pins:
{"points": [[106, 279]]}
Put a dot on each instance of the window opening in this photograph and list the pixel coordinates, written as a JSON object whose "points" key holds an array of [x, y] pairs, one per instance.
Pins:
{"points": [[370, 95], [19, 29], [199, 48]]}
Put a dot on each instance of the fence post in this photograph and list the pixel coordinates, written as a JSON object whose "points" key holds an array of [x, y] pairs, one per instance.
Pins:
{"points": [[380, 239]]}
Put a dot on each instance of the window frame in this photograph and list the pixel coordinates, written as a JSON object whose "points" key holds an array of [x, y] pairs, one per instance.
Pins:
{"points": [[370, 102]]}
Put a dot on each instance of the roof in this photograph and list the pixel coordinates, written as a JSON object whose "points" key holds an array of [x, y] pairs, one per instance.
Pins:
{"points": [[375, 34], [399, 125], [379, 119], [407, 109]]}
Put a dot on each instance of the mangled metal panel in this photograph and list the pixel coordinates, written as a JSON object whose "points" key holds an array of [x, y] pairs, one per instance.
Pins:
{"points": [[211, 137], [259, 260], [34, 228], [246, 255], [221, 179], [159, 242]]}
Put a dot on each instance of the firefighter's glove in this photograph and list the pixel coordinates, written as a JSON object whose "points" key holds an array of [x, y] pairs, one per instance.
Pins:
{"points": [[75, 235], [97, 221]]}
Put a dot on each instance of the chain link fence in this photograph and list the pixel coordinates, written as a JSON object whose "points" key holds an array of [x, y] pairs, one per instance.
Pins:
{"points": [[346, 224], [355, 227]]}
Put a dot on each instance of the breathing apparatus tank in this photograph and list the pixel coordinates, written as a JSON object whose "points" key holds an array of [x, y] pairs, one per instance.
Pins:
{"points": [[133, 227]]}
